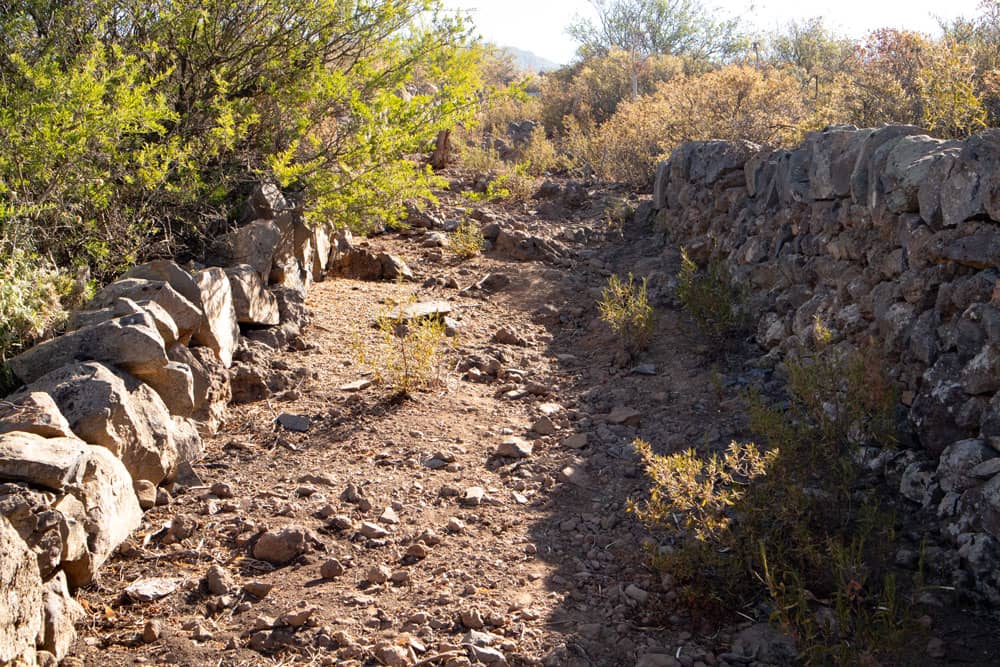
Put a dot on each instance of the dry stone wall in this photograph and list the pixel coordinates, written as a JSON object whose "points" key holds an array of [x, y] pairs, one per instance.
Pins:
{"points": [[117, 406], [887, 237]]}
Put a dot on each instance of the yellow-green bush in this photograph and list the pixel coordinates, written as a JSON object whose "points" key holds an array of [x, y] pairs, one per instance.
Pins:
{"points": [[715, 304], [467, 240], [624, 305], [790, 522], [406, 356]]}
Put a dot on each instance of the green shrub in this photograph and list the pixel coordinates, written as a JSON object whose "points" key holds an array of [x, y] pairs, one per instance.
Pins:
{"points": [[624, 305], [717, 307], [792, 522], [467, 240], [407, 355], [31, 294]]}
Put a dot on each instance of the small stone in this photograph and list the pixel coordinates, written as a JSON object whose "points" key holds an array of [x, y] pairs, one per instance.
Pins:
{"points": [[298, 618], [145, 491], [429, 537], [147, 590], [296, 423], [331, 569], [306, 491], [575, 441], [508, 336], [644, 369], [201, 633], [935, 648], [472, 619], [258, 589], [357, 385], [626, 416], [221, 490], [341, 522], [544, 426], [389, 516], [163, 497], [400, 577], [417, 551], [515, 448], [372, 531], [391, 655], [549, 409], [636, 593], [473, 496], [657, 660], [455, 525], [281, 546], [219, 581], [378, 574], [152, 631]]}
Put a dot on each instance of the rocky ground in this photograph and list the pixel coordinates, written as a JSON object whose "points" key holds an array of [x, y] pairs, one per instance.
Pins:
{"points": [[480, 520]]}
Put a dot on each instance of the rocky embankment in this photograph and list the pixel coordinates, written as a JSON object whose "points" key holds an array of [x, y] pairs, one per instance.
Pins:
{"points": [[113, 411], [890, 239]]}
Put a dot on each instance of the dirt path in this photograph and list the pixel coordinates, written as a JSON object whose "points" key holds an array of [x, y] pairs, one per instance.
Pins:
{"points": [[547, 562]]}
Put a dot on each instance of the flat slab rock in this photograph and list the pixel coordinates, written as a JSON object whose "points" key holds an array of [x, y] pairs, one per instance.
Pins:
{"points": [[418, 311]]}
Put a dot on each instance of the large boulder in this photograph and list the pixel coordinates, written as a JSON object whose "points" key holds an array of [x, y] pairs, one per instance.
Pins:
{"points": [[33, 412], [972, 188], [61, 613], [20, 598], [863, 171], [131, 343], [267, 201], [252, 302], [165, 324], [907, 165], [833, 154], [118, 412], [184, 311], [47, 531], [212, 392], [219, 330], [94, 486], [253, 244]]}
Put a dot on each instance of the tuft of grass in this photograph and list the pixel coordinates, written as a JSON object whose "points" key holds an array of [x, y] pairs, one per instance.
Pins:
{"points": [[717, 307], [407, 355], [791, 522], [467, 240], [624, 305]]}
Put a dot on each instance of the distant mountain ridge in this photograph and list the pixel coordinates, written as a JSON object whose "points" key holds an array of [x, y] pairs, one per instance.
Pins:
{"points": [[529, 61]]}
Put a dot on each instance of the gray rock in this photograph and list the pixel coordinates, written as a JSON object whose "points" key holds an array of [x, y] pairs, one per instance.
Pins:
{"points": [[219, 330], [252, 303], [297, 423], [33, 412], [267, 201], [958, 461], [982, 374], [252, 245], [282, 545], [118, 412], [21, 603], [62, 613]]}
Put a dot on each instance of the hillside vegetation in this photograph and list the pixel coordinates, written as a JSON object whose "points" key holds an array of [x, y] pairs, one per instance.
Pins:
{"points": [[132, 130]]}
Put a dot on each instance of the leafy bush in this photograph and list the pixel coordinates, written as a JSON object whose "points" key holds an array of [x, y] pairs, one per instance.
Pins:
{"points": [[624, 305], [31, 294], [716, 305], [407, 355], [540, 154], [792, 523], [467, 240]]}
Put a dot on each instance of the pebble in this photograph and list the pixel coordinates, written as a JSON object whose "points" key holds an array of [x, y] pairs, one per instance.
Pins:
{"points": [[455, 525], [472, 619], [331, 569], [372, 531], [636, 593], [515, 448], [544, 426], [281, 546], [624, 415], [657, 660], [296, 619], [575, 441], [145, 491], [219, 581], [152, 631], [473, 496], [296, 423], [221, 490], [389, 516], [258, 589], [378, 574]]}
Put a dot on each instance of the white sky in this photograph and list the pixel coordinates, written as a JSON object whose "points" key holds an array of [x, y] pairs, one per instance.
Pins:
{"points": [[540, 25]]}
